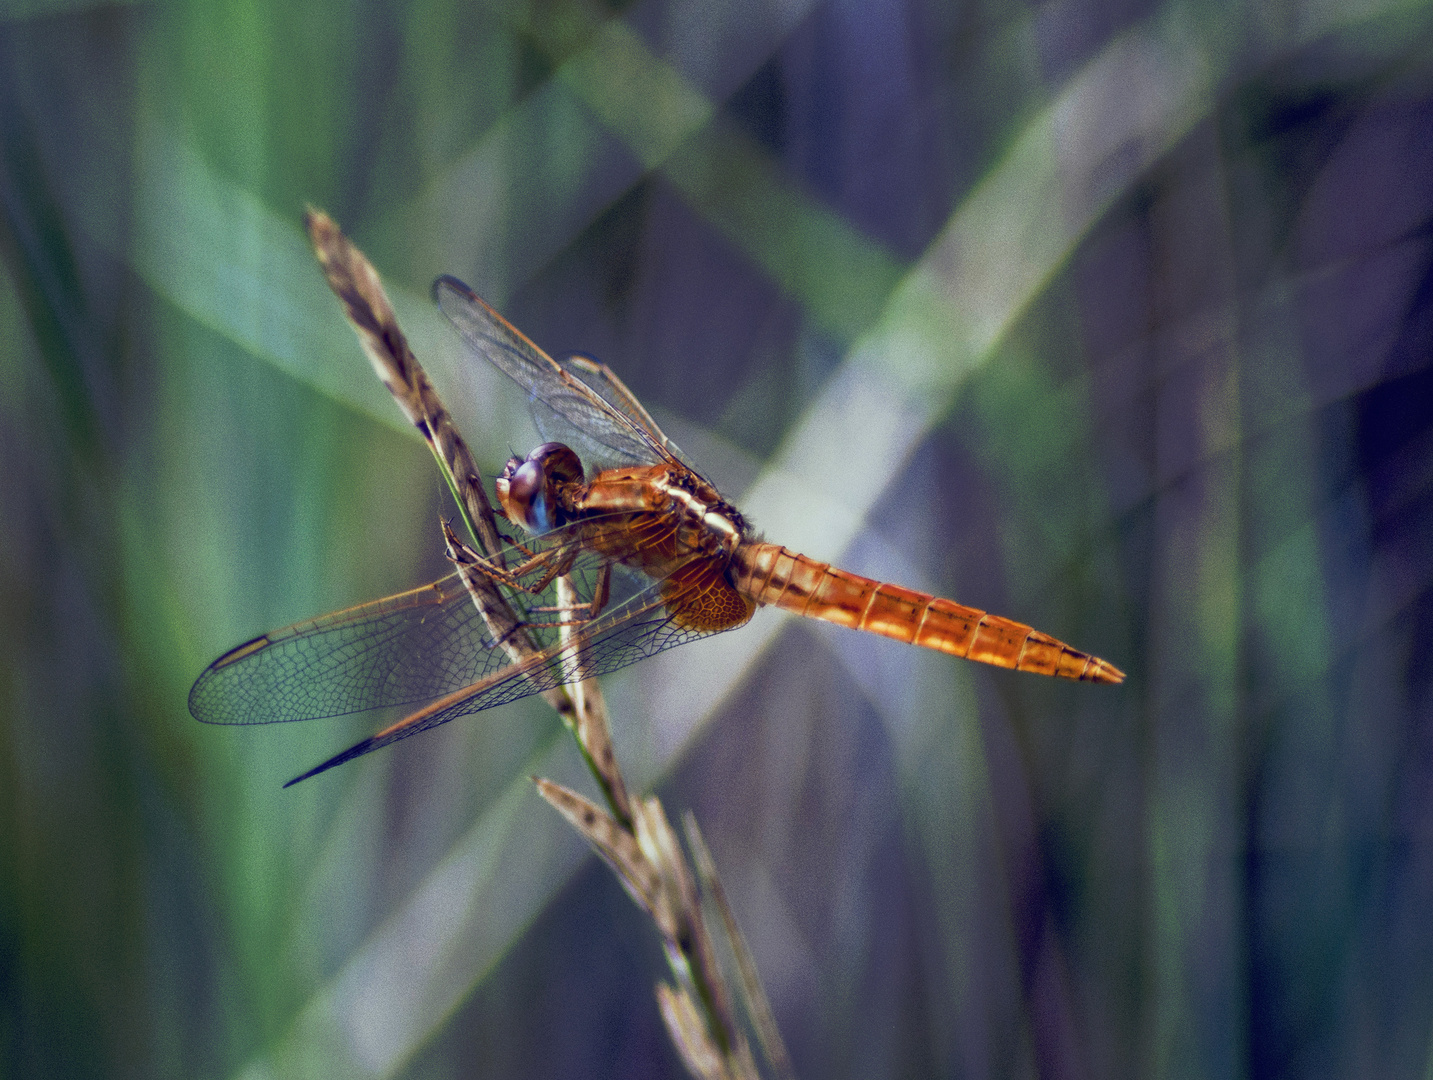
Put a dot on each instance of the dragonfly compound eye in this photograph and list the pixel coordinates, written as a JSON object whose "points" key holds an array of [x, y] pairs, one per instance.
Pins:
{"points": [[559, 462], [522, 490]]}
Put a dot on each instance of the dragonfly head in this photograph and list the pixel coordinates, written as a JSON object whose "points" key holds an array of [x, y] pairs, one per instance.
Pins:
{"points": [[534, 491]]}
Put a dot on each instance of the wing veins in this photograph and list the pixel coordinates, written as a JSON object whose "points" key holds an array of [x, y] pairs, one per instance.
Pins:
{"points": [[517, 356], [558, 664]]}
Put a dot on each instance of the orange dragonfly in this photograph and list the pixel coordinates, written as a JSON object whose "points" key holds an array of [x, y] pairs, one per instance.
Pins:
{"points": [[656, 557]]}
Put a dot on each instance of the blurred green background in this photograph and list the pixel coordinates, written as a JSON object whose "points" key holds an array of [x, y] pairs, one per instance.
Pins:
{"points": [[1111, 316]]}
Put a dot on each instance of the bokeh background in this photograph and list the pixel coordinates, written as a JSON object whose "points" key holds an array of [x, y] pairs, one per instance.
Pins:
{"points": [[1112, 316]]}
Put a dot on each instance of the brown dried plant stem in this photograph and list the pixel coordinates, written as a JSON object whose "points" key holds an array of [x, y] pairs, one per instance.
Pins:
{"points": [[632, 835]]}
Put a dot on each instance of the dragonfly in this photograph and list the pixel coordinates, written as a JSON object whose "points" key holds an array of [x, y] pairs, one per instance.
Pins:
{"points": [[651, 553]]}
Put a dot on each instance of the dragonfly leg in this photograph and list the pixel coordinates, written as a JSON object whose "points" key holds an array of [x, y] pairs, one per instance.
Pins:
{"points": [[557, 625], [461, 554], [518, 544], [559, 567], [602, 591]]}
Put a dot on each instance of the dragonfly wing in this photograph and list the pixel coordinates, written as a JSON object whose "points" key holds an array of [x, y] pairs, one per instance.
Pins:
{"points": [[402, 649], [408, 648], [638, 627], [544, 379], [599, 377]]}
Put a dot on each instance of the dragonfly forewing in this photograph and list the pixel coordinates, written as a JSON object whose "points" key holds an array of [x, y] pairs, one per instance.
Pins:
{"points": [[431, 642], [396, 651], [625, 431], [627, 632]]}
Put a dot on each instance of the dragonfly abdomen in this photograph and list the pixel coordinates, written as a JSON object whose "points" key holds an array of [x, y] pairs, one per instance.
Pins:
{"points": [[771, 574]]}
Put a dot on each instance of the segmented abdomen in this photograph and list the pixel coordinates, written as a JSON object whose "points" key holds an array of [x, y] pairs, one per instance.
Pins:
{"points": [[770, 574]]}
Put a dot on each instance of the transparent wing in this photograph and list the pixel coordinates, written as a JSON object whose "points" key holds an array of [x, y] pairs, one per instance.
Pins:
{"points": [[432, 643], [599, 377], [639, 627], [396, 651], [622, 426]]}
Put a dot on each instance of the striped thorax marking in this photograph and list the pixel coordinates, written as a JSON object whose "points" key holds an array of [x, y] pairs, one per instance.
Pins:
{"points": [[716, 518]]}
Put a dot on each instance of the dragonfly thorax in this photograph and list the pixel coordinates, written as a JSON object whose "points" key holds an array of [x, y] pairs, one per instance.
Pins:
{"points": [[710, 523]]}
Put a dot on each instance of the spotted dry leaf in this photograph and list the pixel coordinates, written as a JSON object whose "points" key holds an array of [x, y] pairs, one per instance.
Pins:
{"points": [[618, 848], [689, 1034]]}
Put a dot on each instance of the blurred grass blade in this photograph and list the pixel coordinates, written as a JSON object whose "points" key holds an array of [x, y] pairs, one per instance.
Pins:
{"points": [[414, 969], [753, 993], [996, 252], [512, 177]]}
